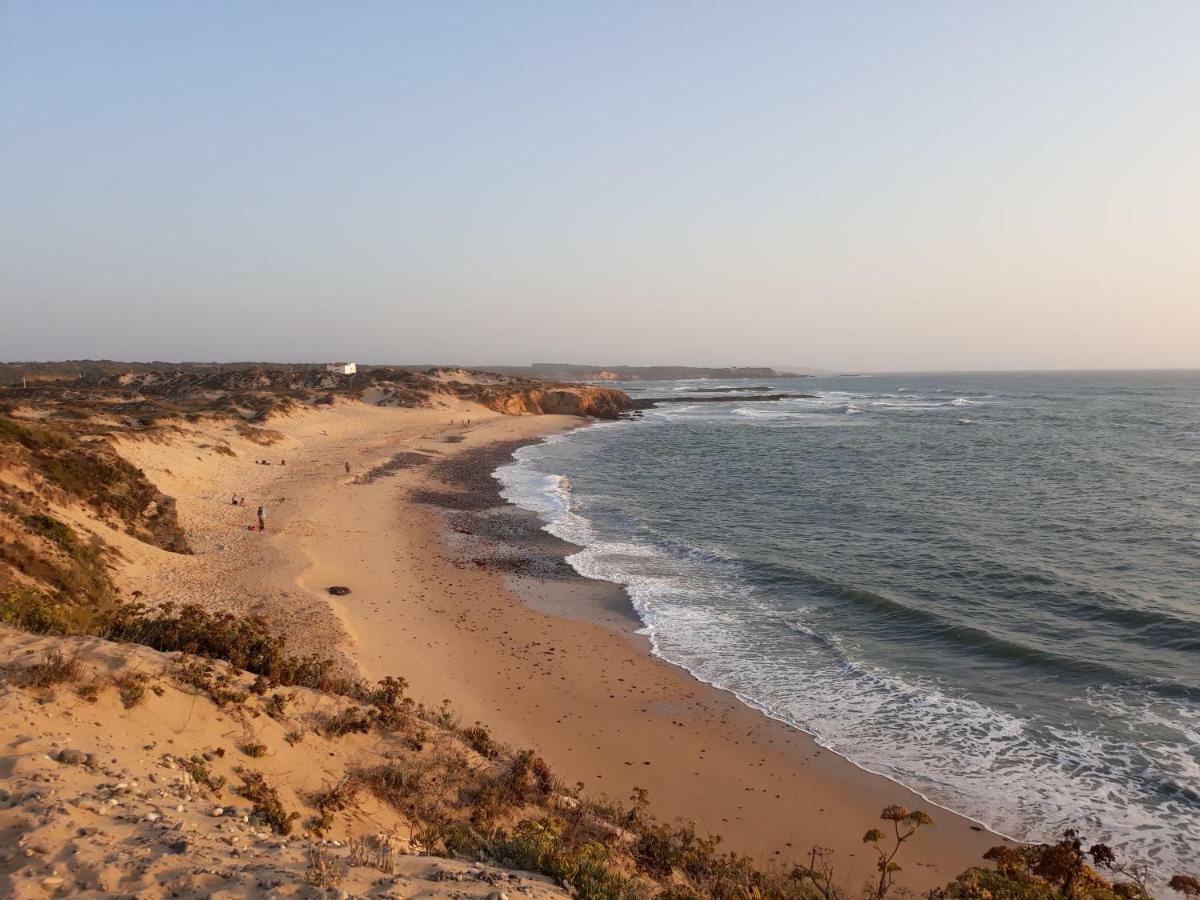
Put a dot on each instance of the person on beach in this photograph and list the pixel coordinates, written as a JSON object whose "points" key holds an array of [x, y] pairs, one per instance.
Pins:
{"points": [[347, 468], [262, 519], [234, 501]]}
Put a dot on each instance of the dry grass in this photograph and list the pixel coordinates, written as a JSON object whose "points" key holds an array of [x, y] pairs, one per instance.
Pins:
{"points": [[53, 669], [378, 852], [324, 870], [131, 687], [89, 689], [347, 721], [264, 437]]}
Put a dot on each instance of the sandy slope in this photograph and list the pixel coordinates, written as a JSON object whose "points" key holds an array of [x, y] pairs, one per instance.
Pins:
{"points": [[118, 814], [588, 695]]}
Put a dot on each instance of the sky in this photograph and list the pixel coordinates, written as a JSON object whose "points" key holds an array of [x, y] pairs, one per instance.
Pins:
{"points": [[846, 185]]}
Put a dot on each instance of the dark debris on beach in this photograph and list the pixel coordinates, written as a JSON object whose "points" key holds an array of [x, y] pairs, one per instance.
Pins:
{"points": [[499, 537]]}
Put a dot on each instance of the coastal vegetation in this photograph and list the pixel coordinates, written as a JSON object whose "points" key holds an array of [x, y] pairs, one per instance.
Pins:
{"points": [[462, 794], [135, 399]]}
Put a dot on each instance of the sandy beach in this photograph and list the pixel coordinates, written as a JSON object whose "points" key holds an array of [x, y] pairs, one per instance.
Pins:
{"points": [[544, 658]]}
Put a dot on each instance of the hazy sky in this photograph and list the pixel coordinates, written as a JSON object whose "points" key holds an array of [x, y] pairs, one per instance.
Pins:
{"points": [[892, 185]]}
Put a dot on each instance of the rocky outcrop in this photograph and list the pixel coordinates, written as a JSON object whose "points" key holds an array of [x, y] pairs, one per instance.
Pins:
{"points": [[651, 402], [566, 400]]}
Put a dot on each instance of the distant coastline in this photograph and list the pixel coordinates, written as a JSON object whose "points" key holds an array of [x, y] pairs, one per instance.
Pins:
{"points": [[12, 372]]}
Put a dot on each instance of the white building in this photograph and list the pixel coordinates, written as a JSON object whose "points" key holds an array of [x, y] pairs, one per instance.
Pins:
{"points": [[342, 368]]}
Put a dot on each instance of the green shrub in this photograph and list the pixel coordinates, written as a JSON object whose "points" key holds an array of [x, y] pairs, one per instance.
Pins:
{"points": [[267, 805], [538, 846], [275, 705], [131, 688], [220, 687], [31, 610], [197, 767], [52, 529], [31, 437], [330, 800]]}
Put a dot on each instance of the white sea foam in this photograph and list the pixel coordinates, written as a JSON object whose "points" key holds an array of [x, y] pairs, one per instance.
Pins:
{"points": [[1024, 777], [826, 408]]}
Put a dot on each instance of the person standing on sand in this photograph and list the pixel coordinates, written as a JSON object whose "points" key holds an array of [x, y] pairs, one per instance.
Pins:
{"points": [[262, 519], [347, 468]]}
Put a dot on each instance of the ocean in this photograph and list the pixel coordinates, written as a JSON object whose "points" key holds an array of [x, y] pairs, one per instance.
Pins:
{"points": [[983, 586]]}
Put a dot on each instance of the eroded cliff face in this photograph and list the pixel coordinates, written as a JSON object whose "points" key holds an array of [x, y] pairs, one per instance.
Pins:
{"points": [[566, 400]]}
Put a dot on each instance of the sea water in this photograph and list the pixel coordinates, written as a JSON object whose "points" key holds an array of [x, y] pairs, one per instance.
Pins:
{"points": [[983, 586]]}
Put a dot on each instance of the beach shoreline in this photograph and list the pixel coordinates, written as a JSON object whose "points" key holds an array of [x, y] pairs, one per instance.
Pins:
{"points": [[463, 596]]}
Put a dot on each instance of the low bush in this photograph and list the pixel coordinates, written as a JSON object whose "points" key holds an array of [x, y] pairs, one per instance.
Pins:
{"points": [[348, 721], [480, 740], [52, 529], [131, 687], [330, 800], [30, 436], [538, 846], [265, 799], [198, 768], [220, 687], [253, 749], [275, 705], [72, 570]]}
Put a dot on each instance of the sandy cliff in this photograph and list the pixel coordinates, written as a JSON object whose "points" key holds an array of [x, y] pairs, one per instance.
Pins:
{"points": [[579, 400]]}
